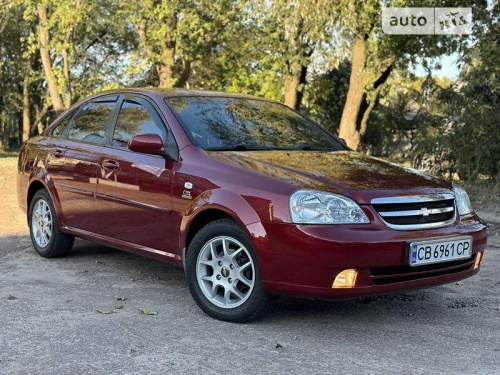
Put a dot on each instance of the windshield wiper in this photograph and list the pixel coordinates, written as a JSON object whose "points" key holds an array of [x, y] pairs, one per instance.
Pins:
{"points": [[240, 147], [309, 148]]}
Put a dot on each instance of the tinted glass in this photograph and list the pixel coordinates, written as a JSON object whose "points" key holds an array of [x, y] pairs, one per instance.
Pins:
{"points": [[233, 123], [89, 125], [59, 129], [134, 119]]}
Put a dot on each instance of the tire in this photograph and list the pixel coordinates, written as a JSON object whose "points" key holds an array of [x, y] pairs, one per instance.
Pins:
{"points": [[46, 236], [223, 274]]}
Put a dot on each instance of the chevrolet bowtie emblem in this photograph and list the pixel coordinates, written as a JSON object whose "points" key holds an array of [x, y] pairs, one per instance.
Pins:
{"points": [[425, 212]]}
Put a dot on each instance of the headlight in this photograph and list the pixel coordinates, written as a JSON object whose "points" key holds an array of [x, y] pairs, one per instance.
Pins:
{"points": [[317, 207], [462, 199]]}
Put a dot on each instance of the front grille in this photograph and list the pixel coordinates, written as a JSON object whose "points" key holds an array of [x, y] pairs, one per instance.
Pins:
{"points": [[414, 206], [396, 274], [419, 219], [416, 212]]}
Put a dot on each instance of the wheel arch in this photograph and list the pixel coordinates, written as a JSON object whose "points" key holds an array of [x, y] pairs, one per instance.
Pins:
{"points": [[214, 205], [36, 185], [202, 219], [33, 188]]}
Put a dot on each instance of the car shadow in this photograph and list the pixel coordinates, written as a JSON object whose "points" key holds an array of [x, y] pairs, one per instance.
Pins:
{"points": [[120, 266], [398, 305]]}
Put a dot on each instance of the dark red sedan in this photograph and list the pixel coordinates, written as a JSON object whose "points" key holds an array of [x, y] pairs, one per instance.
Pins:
{"points": [[250, 197]]}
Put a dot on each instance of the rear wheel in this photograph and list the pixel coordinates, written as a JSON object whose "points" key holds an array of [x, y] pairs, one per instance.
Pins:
{"points": [[46, 236], [223, 273]]}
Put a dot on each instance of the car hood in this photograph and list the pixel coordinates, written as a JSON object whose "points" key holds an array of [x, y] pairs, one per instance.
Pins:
{"points": [[345, 172]]}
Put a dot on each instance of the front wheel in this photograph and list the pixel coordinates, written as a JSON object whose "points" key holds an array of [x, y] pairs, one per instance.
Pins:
{"points": [[223, 273], [46, 236]]}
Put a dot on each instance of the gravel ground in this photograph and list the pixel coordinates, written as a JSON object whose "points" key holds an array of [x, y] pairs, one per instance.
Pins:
{"points": [[85, 314]]}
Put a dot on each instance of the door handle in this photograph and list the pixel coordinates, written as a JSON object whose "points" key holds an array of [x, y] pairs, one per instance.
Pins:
{"points": [[110, 164], [57, 153]]}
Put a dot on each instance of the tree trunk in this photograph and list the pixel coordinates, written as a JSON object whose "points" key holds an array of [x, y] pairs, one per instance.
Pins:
{"points": [[55, 96], [360, 102], [165, 68], [368, 108], [40, 114], [294, 84], [186, 72], [349, 122], [68, 92], [26, 106], [2, 133]]}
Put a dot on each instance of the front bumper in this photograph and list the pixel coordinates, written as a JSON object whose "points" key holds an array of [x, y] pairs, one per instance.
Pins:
{"points": [[304, 260]]}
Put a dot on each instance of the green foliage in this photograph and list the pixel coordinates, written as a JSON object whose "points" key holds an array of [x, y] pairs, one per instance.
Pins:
{"points": [[270, 49], [89, 32], [178, 38], [11, 71], [326, 95], [467, 141]]}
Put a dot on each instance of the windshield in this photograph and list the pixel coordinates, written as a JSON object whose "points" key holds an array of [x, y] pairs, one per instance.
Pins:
{"points": [[217, 123]]}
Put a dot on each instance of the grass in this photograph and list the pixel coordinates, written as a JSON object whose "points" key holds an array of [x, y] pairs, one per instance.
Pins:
{"points": [[12, 153]]}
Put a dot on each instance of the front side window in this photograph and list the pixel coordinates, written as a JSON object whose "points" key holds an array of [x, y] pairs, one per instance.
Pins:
{"points": [[245, 124], [59, 129], [134, 119], [89, 125]]}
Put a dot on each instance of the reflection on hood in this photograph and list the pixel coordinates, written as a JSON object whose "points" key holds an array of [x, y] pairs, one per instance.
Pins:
{"points": [[345, 172]]}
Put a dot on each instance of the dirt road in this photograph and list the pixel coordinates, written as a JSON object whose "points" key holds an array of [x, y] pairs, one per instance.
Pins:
{"points": [[82, 315]]}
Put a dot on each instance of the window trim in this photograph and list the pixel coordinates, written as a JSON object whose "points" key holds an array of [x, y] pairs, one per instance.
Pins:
{"points": [[152, 109]]}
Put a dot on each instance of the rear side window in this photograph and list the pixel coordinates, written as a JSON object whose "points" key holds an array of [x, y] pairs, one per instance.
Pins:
{"points": [[89, 125], [134, 119]]}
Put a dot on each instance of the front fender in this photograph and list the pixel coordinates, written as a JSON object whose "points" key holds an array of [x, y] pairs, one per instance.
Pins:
{"points": [[235, 206], [223, 200]]}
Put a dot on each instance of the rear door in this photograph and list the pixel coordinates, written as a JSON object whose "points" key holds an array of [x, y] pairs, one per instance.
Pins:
{"points": [[134, 189], [74, 162]]}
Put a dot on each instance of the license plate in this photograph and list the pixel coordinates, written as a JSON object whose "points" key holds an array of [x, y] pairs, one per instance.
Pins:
{"points": [[440, 250]]}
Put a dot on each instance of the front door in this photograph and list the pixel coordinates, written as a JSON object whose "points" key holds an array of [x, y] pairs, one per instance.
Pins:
{"points": [[134, 189]]}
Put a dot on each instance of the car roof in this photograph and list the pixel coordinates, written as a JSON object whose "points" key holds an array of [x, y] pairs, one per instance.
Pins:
{"points": [[173, 93]]}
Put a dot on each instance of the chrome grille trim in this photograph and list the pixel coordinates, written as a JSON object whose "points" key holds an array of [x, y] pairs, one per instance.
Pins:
{"points": [[413, 199], [432, 211], [445, 207]]}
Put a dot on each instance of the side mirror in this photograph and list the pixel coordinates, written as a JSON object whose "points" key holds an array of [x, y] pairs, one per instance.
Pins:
{"points": [[147, 144], [343, 141]]}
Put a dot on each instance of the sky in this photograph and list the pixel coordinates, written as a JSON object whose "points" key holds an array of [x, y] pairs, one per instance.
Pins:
{"points": [[449, 68]]}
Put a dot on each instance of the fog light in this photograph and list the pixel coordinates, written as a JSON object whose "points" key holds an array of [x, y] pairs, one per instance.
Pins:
{"points": [[479, 257], [345, 279]]}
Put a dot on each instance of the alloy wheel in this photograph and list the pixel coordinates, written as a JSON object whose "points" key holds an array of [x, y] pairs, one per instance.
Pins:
{"points": [[41, 223], [225, 272]]}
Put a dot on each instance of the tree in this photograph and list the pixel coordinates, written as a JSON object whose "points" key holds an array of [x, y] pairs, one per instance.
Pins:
{"points": [[475, 140], [296, 29], [326, 94], [177, 35], [70, 36], [12, 71], [374, 56]]}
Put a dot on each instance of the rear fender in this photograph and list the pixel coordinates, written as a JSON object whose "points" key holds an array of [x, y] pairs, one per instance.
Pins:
{"points": [[38, 175]]}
